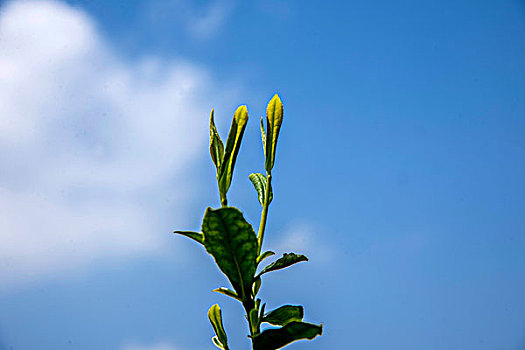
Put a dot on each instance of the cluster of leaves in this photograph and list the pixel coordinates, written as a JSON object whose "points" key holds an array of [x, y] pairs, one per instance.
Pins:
{"points": [[231, 240]]}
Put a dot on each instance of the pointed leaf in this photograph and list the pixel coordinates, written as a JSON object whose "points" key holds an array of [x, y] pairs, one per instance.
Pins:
{"points": [[232, 242], [217, 343], [263, 136], [216, 146], [196, 236], [233, 145], [264, 256], [274, 119], [261, 311], [256, 286], [286, 260], [254, 321], [259, 182], [272, 339], [227, 292], [215, 316], [284, 315]]}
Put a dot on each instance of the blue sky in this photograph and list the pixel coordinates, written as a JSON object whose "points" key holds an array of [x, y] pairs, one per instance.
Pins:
{"points": [[400, 169]]}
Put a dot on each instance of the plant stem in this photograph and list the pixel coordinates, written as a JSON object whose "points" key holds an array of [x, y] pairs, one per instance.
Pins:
{"points": [[264, 213], [224, 200]]}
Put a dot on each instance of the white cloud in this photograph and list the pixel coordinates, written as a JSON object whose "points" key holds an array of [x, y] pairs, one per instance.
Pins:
{"points": [[202, 21], [84, 136], [211, 20], [303, 237]]}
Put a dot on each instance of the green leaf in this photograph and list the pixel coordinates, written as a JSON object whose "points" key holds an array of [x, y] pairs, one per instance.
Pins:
{"points": [[216, 146], [261, 311], [256, 286], [286, 260], [274, 119], [263, 136], [284, 315], [215, 316], [233, 145], [230, 239], [227, 292], [196, 236], [254, 321], [259, 182], [264, 256], [272, 339], [217, 343]]}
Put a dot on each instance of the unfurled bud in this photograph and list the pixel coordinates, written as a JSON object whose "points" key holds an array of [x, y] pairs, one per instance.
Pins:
{"points": [[263, 136], [215, 317], [216, 146], [233, 144], [274, 119]]}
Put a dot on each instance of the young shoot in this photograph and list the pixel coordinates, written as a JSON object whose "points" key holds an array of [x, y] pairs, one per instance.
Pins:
{"points": [[237, 249]]}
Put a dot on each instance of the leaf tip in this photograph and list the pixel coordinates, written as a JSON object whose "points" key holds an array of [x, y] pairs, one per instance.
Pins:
{"points": [[241, 114], [212, 120]]}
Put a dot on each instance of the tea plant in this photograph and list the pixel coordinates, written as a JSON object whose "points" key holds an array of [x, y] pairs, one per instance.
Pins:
{"points": [[232, 241]]}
